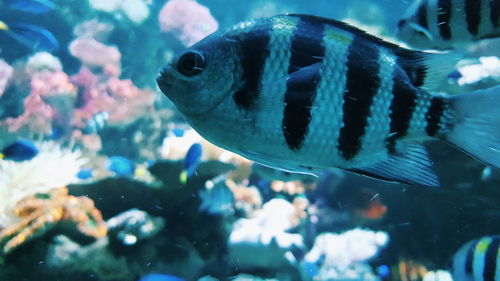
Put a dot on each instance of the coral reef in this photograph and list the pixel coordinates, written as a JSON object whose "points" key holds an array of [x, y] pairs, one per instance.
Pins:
{"points": [[187, 20], [53, 167], [343, 256], [42, 212], [5, 74]]}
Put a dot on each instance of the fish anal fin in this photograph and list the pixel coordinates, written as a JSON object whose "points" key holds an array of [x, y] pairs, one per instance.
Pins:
{"points": [[410, 164]]}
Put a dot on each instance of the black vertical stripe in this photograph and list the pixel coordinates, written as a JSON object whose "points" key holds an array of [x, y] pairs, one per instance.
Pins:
{"points": [[414, 68], [402, 107], [307, 44], [444, 15], [307, 48], [473, 15], [254, 51], [495, 12], [490, 262], [422, 15], [433, 115], [469, 258], [362, 85]]}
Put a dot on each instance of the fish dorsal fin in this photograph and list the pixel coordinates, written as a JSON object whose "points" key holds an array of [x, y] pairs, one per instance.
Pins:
{"points": [[410, 165], [426, 70]]}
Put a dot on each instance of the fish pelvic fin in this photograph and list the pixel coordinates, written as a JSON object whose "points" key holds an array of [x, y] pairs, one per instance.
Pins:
{"points": [[476, 124]]}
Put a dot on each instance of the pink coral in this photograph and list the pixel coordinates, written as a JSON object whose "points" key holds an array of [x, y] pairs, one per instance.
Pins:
{"points": [[5, 74], [187, 20], [94, 53], [93, 29], [38, 115], [48, 83], [120, 98]]}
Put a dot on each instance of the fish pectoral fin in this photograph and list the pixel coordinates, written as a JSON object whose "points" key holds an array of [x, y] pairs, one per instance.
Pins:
{"points": [[422, 30], [410, 165], [302, 80]]}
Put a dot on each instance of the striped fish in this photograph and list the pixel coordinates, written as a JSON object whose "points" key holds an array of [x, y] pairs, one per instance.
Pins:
{"points": [[303, 93], [444, 24], [478, 260]]}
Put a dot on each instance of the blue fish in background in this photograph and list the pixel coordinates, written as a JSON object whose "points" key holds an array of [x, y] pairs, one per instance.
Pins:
{"points": [[216, 198], [191, 162], [85, 174], [121, 166], [160, 277], [31, 36], [20, 150], [31, 6]]}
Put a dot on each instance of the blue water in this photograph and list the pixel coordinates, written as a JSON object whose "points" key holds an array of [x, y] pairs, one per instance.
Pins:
{"points": [[64, 64]]}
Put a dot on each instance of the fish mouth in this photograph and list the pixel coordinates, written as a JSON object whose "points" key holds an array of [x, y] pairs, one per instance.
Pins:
{"points": [[164, 80]]}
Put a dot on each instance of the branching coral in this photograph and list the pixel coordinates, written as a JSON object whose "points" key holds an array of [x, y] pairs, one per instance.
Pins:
{"points": [[43, 211]]}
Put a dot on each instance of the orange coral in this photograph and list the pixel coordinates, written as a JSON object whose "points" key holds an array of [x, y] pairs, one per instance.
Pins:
{"points": [[42, 212]]}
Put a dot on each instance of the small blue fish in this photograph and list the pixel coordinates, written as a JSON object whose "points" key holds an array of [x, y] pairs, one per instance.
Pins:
{"points": [[178, 132], [384, 271], [121, 166], [85, 174], [20, 150], [31, 6], [31, 36], [191, 162], [160, 277], [216, 198]]}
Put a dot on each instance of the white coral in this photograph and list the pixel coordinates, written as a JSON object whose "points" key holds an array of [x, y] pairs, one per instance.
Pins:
{"points": [[53, 167]]}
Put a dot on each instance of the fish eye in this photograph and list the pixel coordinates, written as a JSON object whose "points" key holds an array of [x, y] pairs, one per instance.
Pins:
{"points": [[191, 63]]}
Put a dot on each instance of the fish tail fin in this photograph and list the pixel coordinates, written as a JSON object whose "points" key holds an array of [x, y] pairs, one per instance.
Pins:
{"points": [[2, 156], [183, 177], [476, 128]]}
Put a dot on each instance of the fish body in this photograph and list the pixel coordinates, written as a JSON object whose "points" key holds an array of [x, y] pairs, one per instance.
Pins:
{"points": [[160, 277], [85, 174], [31, 6], [216, 197], [191, 161], [21, 150], [31, 36], [303, 93], [444, 24], [121, 166], [477, 260]]}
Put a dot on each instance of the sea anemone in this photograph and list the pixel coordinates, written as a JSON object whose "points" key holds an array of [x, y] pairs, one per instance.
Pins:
{"points": [[53, 167]]}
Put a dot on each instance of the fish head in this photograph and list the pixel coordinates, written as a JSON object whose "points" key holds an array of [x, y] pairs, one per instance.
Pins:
{"points": [[414, 34], [199, 78]]}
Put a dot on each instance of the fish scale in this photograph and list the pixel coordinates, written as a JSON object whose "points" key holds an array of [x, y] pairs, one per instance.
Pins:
{"points": [[378, 130], [309, 93], [319, 145], [275, 68]]}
